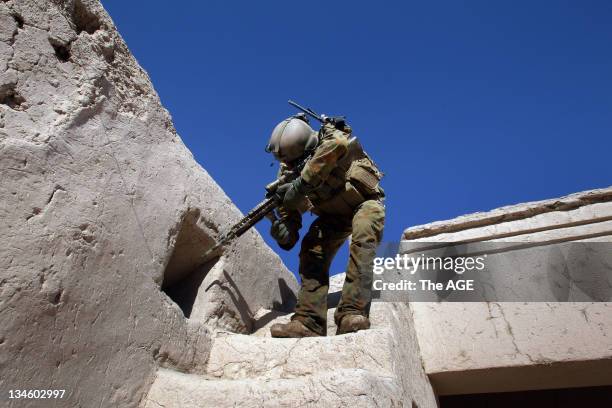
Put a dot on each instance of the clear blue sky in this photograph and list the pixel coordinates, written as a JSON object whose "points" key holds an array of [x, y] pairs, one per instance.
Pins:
{"points": [[466, 106]]}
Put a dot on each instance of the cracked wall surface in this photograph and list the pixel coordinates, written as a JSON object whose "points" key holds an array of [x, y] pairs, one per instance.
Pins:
{"points": [[95, 186], [509, 346]]}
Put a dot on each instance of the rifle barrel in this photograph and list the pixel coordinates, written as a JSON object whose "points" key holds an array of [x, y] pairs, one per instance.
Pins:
{"points": [[307, 111]]}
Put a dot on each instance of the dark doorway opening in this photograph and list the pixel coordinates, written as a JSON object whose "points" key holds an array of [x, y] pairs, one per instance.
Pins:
{"points": [[588, 397]]}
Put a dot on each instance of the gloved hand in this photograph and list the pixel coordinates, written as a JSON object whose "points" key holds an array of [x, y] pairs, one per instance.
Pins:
{"points": [[290, 195], [283, 234]]}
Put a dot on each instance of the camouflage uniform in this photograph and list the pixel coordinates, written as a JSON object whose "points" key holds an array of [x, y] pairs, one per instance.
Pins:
{"points": [[348, 202]]}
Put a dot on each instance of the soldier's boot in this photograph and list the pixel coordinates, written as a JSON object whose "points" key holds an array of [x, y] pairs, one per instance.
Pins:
{"points": [[352, 323], [294, 329]]}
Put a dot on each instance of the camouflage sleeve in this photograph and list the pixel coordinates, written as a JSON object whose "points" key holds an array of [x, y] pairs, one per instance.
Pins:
{"points": [[333, 146], [304, 206]]}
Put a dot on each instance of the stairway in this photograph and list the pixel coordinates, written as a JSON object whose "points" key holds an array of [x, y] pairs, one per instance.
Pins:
{"points": [[363, 369]]}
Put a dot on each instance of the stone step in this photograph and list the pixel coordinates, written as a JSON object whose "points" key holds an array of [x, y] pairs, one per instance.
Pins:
{"points": [[265, 318], [379, 318], [238, 356], [338, 388]]}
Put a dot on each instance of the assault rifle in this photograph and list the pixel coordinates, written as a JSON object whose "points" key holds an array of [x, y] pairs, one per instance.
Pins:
{"points": [[263, 209], [266, 207]]}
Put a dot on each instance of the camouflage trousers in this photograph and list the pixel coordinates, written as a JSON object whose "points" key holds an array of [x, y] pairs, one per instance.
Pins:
{"points": [[323, 240]]}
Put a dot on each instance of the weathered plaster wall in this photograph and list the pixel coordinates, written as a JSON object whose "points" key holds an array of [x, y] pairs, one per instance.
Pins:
{"points": [[103, 213]]}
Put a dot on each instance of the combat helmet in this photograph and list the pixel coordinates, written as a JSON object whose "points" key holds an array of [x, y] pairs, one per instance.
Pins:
{"points": [[291, 138]]}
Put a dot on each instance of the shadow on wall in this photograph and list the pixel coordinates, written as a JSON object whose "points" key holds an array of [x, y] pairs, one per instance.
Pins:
{"points": [[184, 275], [185, 291], [288, 298], [184, 272], [285, 306], [230, 288]]}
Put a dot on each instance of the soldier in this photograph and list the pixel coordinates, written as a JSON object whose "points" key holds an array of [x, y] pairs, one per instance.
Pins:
{"points": [[340, 184]]}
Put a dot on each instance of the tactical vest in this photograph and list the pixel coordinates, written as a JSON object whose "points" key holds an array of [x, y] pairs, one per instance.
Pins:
{"points": [[354, 180]]}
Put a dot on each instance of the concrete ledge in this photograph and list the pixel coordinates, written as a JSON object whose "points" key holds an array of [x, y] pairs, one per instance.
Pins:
{"points": [[509, 213], [487, 347]]}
